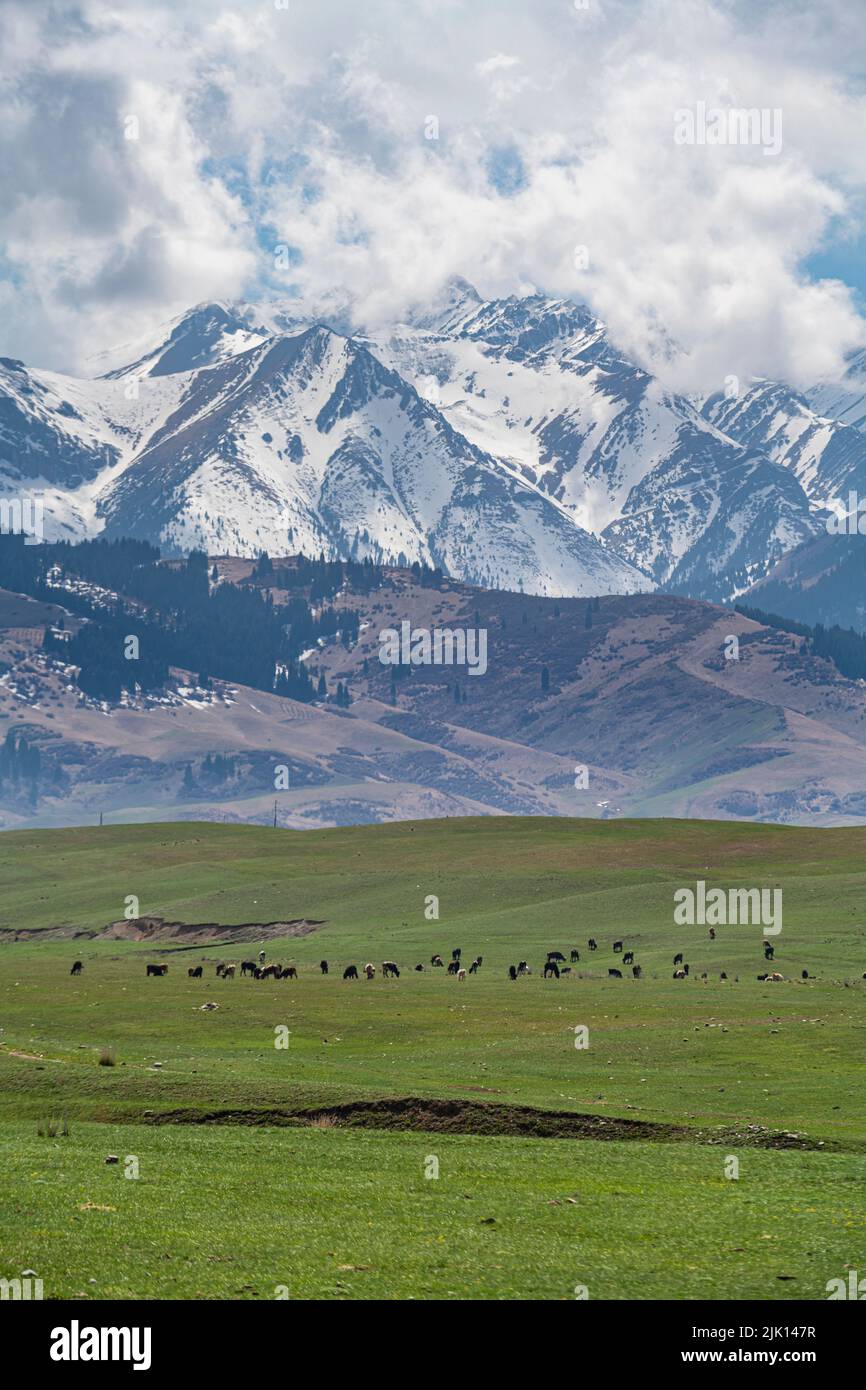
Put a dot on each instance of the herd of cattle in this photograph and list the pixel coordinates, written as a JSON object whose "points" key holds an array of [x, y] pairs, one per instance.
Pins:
{"points": [[554, 967]]}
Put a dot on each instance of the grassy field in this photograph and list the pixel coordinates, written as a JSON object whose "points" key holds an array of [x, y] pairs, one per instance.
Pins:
{"points": [[724, 1068]]}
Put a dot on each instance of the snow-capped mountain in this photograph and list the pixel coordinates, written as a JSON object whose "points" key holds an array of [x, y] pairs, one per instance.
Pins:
{"points": [[508, 441], [537, 384], [826, 456], [309, 443]]}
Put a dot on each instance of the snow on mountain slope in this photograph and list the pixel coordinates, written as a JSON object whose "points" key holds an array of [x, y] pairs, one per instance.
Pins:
{"points": [[537, 384], [309, 442], [200, 337], [828, 458], [844, 401]]}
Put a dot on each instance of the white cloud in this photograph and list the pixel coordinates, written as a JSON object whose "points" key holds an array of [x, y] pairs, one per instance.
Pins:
{"points": [[307, 127]]}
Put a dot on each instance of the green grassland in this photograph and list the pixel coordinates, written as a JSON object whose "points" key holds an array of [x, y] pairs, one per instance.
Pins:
{"points": [[732, 1063]]}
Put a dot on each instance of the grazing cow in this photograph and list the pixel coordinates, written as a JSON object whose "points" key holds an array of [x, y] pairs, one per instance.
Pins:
{"points": [[723, 976], [370, 970], [389, 968], [636, 972], [323, 966], [555, 955], [350, 972], [455, 954], [592, 944], [565, 970], [229, 972], [419, 967], [248, 967], [712, 933], [628, 958], [575, 954], [453, 967], [512, 972], [157, 970], [679, 974], [461, 974], [437, 960], [762, 977], [473, 969], [678, 958], [551, 968], [522, 968], [195, 972], [615, 974], [77, 967], [617, 946], [290, 973], [270, 972]]}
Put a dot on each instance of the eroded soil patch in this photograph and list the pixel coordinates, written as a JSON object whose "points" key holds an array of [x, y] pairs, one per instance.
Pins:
{"points": [[487, 1118], [158, 929]]}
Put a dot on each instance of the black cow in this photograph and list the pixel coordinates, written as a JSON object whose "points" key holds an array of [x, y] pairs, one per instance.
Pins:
{"points": [[575, 954], [323, 966], [592, 944], [350, 972], [389, 968], [551, 968], [522, 968], [636, 972], [678, 958], [805, 975], [455, 954], [769, 951], [290, 973], [419, 967], [248, 967], [617, 946], [157, 970], [512, 972], [195, 972], [453, 967], [615, 974], [474, 966], [628, 958], [77, 967], [555, 955]]}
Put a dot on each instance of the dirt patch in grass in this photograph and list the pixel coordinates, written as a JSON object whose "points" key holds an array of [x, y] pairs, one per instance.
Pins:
{"points": [[486, 1118], [158, 929]]}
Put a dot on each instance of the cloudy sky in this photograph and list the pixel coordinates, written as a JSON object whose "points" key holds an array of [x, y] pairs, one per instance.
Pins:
{"points": [[156, 155]]}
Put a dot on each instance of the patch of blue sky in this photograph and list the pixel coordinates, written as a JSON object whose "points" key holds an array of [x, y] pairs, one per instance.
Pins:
{"points": [[505, 170]]}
